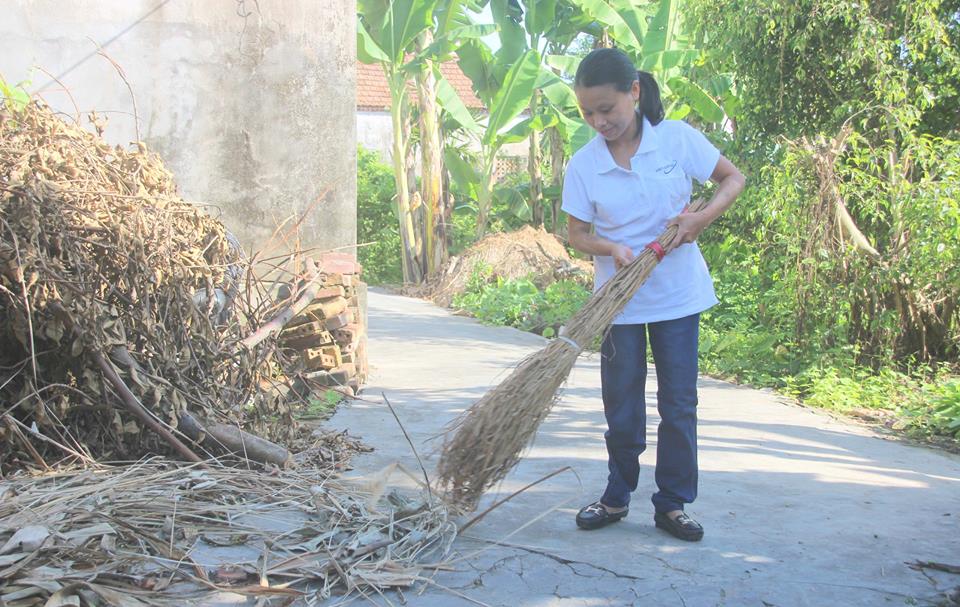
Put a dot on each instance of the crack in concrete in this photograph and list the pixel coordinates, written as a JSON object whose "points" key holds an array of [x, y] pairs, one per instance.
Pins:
{"points": [[565, 561], [570, 562], [477, 582]]}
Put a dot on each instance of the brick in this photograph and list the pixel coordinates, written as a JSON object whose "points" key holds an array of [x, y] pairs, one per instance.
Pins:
{"points": [[327, 308], [328, 378], [301, 330], [338, 321], [338, 266], [349, 368], [319, 311], [347, 334], [308, 340], [326, 357], [360, 360], [338, 262], [330, 292]]}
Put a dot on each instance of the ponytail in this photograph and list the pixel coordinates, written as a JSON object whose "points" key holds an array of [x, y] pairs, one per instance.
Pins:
{"points": [[650, 105]]}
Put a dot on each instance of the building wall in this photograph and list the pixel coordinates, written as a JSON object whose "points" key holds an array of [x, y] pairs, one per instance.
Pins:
{"points": [[253, 114], [375, 133]]}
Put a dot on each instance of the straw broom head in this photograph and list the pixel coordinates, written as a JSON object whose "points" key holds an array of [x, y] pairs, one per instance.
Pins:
{"points": [[491, 435]]}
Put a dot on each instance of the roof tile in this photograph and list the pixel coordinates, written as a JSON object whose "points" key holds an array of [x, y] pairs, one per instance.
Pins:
{"points": [[373, 94]]}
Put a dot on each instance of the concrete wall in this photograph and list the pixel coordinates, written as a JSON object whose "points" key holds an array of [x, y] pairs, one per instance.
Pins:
{"points": [[254, 114]]}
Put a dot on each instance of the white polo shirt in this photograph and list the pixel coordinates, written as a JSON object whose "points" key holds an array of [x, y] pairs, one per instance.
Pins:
{"points": [[632, 207]]}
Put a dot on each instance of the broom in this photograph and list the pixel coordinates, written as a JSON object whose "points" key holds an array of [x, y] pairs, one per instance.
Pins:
{"points": [[491, 435]]}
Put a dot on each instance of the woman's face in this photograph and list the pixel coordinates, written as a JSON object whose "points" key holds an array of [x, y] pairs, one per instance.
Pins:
{"points": [[610, 112]]}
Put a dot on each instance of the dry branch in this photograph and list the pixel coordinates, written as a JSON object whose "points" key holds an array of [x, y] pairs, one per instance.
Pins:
{"points": [[277, 323], [131, 402], [235, 440]]}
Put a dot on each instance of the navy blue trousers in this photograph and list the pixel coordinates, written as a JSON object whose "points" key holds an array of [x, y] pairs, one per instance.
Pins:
{"points": [[623, 373]]}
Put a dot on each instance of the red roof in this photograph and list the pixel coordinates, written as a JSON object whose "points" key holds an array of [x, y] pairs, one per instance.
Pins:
{"points": [[373, 94]]}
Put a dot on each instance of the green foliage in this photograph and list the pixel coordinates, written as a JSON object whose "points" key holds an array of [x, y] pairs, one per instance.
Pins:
{"points": [[814, 316], [804, 67], [322, 405], [945, 416], [520, 303], [392, 26], [855, 388], [15, 96], [377, 221], [839, 107]]}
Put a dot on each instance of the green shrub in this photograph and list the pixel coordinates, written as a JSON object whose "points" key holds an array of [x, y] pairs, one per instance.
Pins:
{"points": [[377, 227], [943, 414], [519, 302]]}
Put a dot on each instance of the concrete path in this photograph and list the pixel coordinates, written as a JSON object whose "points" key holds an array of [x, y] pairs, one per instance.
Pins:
{"points": [[799, 508]]}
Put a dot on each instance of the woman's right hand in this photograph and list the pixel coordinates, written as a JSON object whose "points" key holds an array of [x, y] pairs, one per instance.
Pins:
{"points": [[622, 255], [584, 240]]}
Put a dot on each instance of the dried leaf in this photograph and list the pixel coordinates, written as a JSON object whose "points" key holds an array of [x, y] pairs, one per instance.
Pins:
{"points": [[26, 539], [114, 598], [65, 597], [78, 537]]}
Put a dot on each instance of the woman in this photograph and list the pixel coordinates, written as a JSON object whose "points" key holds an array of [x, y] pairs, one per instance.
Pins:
{"points": [[629, 184]]}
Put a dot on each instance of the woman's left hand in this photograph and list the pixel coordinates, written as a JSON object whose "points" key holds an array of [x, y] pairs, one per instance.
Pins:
{"points": [[689, 226]]}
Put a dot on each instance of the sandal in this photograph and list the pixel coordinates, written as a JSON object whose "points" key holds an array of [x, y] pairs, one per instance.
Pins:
{"points": [[682, 527], [596, 515]]}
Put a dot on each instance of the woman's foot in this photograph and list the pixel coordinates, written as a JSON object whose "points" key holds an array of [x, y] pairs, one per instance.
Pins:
{"points": [[597, 515], [679, 525]]}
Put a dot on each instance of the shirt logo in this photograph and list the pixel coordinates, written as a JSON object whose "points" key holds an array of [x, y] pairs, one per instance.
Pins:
{"points": [[667, 168]]}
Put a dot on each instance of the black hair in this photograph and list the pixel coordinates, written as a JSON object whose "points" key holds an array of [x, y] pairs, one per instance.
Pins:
{"points": [[613, 66]]}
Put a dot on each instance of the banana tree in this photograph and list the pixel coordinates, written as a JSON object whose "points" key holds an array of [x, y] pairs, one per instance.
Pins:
{"points": [[504, 82], [386, 32], [535, 25], [451, 27]]}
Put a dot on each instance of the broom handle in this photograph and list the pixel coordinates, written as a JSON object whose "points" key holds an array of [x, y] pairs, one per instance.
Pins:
{"points": [[575, 332], [670, 233]]}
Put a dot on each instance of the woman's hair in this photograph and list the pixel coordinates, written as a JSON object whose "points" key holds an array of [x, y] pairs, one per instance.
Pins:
{"points": [[612, 66]]}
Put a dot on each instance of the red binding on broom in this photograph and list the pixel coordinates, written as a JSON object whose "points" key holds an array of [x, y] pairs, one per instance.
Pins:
{"points": [[657, 249]]}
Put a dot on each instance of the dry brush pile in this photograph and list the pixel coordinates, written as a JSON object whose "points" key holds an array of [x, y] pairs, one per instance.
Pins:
{"points": [[526, 253], [132, 324], [117, 297], [156, 535]]}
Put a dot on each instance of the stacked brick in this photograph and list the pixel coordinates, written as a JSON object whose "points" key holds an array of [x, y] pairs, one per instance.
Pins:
{"points": [[330, 333]]}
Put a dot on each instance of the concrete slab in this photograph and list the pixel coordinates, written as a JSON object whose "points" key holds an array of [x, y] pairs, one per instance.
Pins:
{"points": [[799, 508]]}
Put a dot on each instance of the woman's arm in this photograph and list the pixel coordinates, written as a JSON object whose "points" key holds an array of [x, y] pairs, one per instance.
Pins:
{"points": [[730, 182], [585, 241]]}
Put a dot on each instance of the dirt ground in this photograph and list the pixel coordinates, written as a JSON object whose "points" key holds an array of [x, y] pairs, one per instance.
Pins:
{"points": [[527, 253]]}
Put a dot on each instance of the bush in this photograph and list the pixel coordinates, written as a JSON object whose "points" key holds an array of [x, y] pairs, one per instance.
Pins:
{"points": [[377, 221], [519, 303]]}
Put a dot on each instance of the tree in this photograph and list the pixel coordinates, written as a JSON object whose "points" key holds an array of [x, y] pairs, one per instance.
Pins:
{"points": [[845, 102], [504, 82], [451, 27], [806, 66], [387, 30]]}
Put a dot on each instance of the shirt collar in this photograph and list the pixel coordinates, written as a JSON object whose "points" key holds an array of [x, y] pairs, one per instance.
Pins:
{"points": [[649, 141]]}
